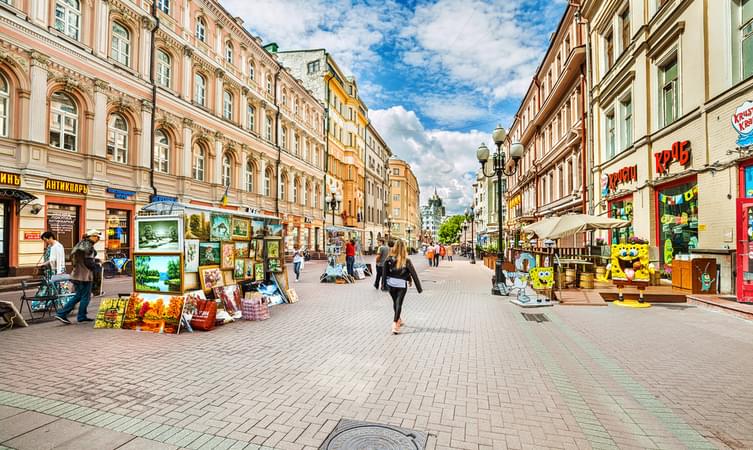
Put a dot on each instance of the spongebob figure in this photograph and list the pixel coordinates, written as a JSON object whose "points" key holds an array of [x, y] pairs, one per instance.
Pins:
{"points": [[630, 264], [542, 277]]}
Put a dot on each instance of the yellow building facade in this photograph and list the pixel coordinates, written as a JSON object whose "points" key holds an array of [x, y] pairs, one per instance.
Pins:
{"points": [[404, 212]]}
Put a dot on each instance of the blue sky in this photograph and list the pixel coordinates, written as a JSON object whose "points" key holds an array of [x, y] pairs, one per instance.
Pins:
{"points": [[437, 75]]}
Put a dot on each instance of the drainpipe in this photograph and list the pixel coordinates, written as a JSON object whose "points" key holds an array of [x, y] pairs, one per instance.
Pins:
{"points": [[588, 161], [277, 142], [325, 124], [153, 49]]}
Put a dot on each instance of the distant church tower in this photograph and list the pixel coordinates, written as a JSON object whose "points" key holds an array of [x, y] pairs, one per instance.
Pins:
{"points": [[432, 216]]}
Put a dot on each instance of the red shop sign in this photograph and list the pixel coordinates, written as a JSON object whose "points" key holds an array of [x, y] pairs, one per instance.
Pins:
{"points": [[680, 153], [624, 175]]}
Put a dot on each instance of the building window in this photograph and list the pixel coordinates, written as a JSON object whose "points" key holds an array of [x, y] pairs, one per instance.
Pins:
{"points": [[227, 170], [395, 171], [569, 178], [249, 176], [625, 28], [163, 68], [281, 187], [396, 198], [305, 198], [267, 182], [68, 17], [227, 105], [161, 152], [117, 139], [63, 122], [199, 159], [305, 150], [745, 36], [268, 128], [626, 110], [229, 52], [395, 212], [269, 85], [284, 137], [610, 137], [251, 71], [609, 50], [296, 144], [164, 6], [295, 192], [250, 113], [121, 44], [201, 29], [669, 91], [313, 67], [200, 89], [284, 97], [4, 106]]}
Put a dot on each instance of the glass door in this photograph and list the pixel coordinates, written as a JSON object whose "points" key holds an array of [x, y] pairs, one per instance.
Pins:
{"points": [[745, 250], [4, 233]]}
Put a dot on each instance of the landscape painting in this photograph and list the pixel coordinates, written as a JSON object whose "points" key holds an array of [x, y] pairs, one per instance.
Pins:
{"points": [[241, 250], [209, 253], [158, 273], [274, 230], [159, 234], [220, 228], [197, 224], [111, 313], [258, 227], [241, 229], [155, 313]]}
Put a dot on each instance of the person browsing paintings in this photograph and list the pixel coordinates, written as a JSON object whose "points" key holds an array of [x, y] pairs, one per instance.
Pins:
{"points": [[399, 273], [297, 261], [83, 259], [350, 256], [54, 255], [382, 254]]}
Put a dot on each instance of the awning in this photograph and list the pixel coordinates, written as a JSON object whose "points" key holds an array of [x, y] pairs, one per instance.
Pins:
{"points": [[17, 194]]}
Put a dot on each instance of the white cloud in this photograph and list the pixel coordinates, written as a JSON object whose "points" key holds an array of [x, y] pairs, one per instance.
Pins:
{"points": [[451, 109], [441, 159]]}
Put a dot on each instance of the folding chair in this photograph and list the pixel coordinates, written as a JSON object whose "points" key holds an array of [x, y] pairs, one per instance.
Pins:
{"points": [[48, 298]]}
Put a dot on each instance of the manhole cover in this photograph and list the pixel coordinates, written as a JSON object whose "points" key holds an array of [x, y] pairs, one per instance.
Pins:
{"points": [[535, 317], [357, 435]]}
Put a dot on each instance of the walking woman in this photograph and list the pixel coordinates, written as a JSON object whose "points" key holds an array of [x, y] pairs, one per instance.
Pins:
{"points": [[297, 261], [398, 275]]}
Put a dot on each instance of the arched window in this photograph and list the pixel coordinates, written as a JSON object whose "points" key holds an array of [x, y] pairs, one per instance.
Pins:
{"points": [[161, 152], [163, 68], [251, 70], [284, 137], [268, 128], [269, 84], [199, 159], [284, 97], [227, 170], [281, 186], [68, 17], [63, 122], [250, 176], [4, 106], [229, 52], [295, 191], [250, 117], [117, 139], [268, 182], [305, 198], [227, 105], [121, 44], [201, 29], [164, 6], [200, 89]]}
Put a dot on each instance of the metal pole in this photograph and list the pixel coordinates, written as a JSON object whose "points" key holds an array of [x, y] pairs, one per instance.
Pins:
{"points": [[498, 166], [473, 239]]}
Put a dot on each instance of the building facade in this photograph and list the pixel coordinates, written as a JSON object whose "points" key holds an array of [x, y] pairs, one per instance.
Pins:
{"points": [[551, 125], [404, 197], [377, 187], [432, 216], [91, 128], [672, 150]]}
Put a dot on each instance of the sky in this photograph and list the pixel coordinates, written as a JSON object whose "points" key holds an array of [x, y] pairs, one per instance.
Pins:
{"points": [[436, 75]]}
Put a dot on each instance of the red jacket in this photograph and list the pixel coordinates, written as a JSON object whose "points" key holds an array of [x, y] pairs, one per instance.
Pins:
{"points": [[350, 249]]}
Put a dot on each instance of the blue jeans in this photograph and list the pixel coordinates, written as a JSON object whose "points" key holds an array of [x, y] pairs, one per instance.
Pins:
{"points": [[297, 270], [349, 261], [83, 295]]}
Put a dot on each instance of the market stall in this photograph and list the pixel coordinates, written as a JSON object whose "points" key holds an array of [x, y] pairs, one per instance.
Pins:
{"points": [[196, 267], [336, 272]]}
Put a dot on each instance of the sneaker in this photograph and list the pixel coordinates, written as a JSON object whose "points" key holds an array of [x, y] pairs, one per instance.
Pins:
{"points": [[63, 319], [86, 319]]}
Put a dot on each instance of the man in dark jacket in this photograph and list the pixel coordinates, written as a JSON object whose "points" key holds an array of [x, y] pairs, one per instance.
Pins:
{"points": [[83, 260]]}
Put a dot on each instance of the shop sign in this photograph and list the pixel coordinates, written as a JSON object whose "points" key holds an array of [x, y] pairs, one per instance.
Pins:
{"points": [[679, 153], [308, 220], [742, 121], [32, 235], [515, 201], [66, 186], [119, 193], [162, 198], [12, 179], [61, 223], [624, 175]]}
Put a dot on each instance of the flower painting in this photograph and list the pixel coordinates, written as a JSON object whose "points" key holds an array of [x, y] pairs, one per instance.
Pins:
{"points": [[273, 249], [220, 227], [241, 250], [239, 271], [156, 313], [227, 250], [209, 253], [210, 276], [191, 256]]}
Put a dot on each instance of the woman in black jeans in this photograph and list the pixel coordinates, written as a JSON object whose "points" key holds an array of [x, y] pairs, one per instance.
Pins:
{"points": [[398, 275]]}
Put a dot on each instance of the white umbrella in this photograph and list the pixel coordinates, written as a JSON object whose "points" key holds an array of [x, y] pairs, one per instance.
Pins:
{"points": [[569, 224]]}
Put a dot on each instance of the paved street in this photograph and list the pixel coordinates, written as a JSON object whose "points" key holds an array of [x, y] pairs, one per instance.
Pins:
{"points": [[468, 369]]}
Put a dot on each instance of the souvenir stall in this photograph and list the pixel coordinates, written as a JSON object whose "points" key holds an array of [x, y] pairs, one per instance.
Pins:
{"points": [[197, 267], [336, 271]]}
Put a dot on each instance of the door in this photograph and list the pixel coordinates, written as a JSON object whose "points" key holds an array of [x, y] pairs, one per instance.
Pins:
{"points": [[745, 250], [4, 237]]}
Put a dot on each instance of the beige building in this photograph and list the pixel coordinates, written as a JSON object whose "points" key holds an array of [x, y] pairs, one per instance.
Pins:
{"points": [[86, 139], [551, 125], [404, 197], [672, 121], [377, 187]]}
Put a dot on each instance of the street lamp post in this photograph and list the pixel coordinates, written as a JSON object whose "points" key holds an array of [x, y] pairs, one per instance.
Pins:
{"points": [[471, 217], [408, 229], [499, 168], [388, 225], [465, 238], [332, 201]]}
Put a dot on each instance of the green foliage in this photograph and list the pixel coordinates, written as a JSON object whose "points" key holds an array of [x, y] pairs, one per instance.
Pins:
{"points": [[448, 231]]}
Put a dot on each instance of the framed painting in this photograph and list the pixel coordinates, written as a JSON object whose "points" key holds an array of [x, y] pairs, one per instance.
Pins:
{"points": [[227, 277], [230, 299], [259, 271], [111, 313], [274, 230], [258, 228], [220, 230], [209, 253], [241, 229], [241, 249], [274, 265], [159, 234], [259, 249], [191, 255], [155, 313], [239, 271], [158, 273], [191, 280], [210, 277], [190, 303], [252, 249], [249, 269], [197, 224], [273, 248], [227, 255]]}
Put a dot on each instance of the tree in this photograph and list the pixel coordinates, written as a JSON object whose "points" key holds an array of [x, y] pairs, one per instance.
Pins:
{"points": [[448, 231]]}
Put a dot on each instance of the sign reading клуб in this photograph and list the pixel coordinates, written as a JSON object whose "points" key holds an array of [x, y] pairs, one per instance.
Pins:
{"points": [[624, 175], [66, 186], [12, 179], [679, 153]]}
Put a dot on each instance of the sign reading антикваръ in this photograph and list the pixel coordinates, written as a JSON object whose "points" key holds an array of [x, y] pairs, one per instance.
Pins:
{"points": [[742, 121]]}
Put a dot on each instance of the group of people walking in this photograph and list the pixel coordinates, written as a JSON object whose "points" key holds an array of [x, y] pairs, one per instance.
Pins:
{"points": [[395, 273], [436, 252]]}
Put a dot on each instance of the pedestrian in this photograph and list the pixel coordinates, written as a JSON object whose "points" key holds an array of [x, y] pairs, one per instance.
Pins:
{"points": [[399, 274], [54, 256], [350, 256], [442, 251], [297, 261], [382, 254], [449, 252], [430, 255], [83, 260], [437, 254]]}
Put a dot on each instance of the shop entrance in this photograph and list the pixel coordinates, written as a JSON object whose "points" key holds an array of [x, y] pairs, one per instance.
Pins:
{"points": [[4, 237], [745, 250]]}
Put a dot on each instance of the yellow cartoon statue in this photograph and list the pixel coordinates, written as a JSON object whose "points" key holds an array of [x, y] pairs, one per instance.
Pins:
{"points": [[630, 266], [542, 277]]}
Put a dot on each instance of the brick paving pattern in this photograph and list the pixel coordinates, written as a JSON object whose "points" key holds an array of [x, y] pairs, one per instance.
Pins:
{"points": [[468, 370]]}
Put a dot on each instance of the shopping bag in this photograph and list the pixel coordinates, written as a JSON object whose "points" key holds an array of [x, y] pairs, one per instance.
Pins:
{"points": [[204, 316], [255, 307]]}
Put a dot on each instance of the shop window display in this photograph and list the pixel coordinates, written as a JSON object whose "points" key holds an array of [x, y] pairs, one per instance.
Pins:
{"points": [[622, 209], [118, 230], [63, 220], [749, 182], [678, 221]]}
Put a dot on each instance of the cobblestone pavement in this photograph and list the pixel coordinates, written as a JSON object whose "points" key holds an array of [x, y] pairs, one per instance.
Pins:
{"points": [[468, 369]]}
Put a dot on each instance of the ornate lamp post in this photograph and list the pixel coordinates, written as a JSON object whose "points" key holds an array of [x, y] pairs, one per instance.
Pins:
{"points": [[471, 217], [499, 168], [332, 201], [388, 225], [408, 229], [465, 238]]}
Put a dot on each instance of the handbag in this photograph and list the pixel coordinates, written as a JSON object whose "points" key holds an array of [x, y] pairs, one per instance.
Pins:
{"points": [[397, 283], [205, 315]]}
